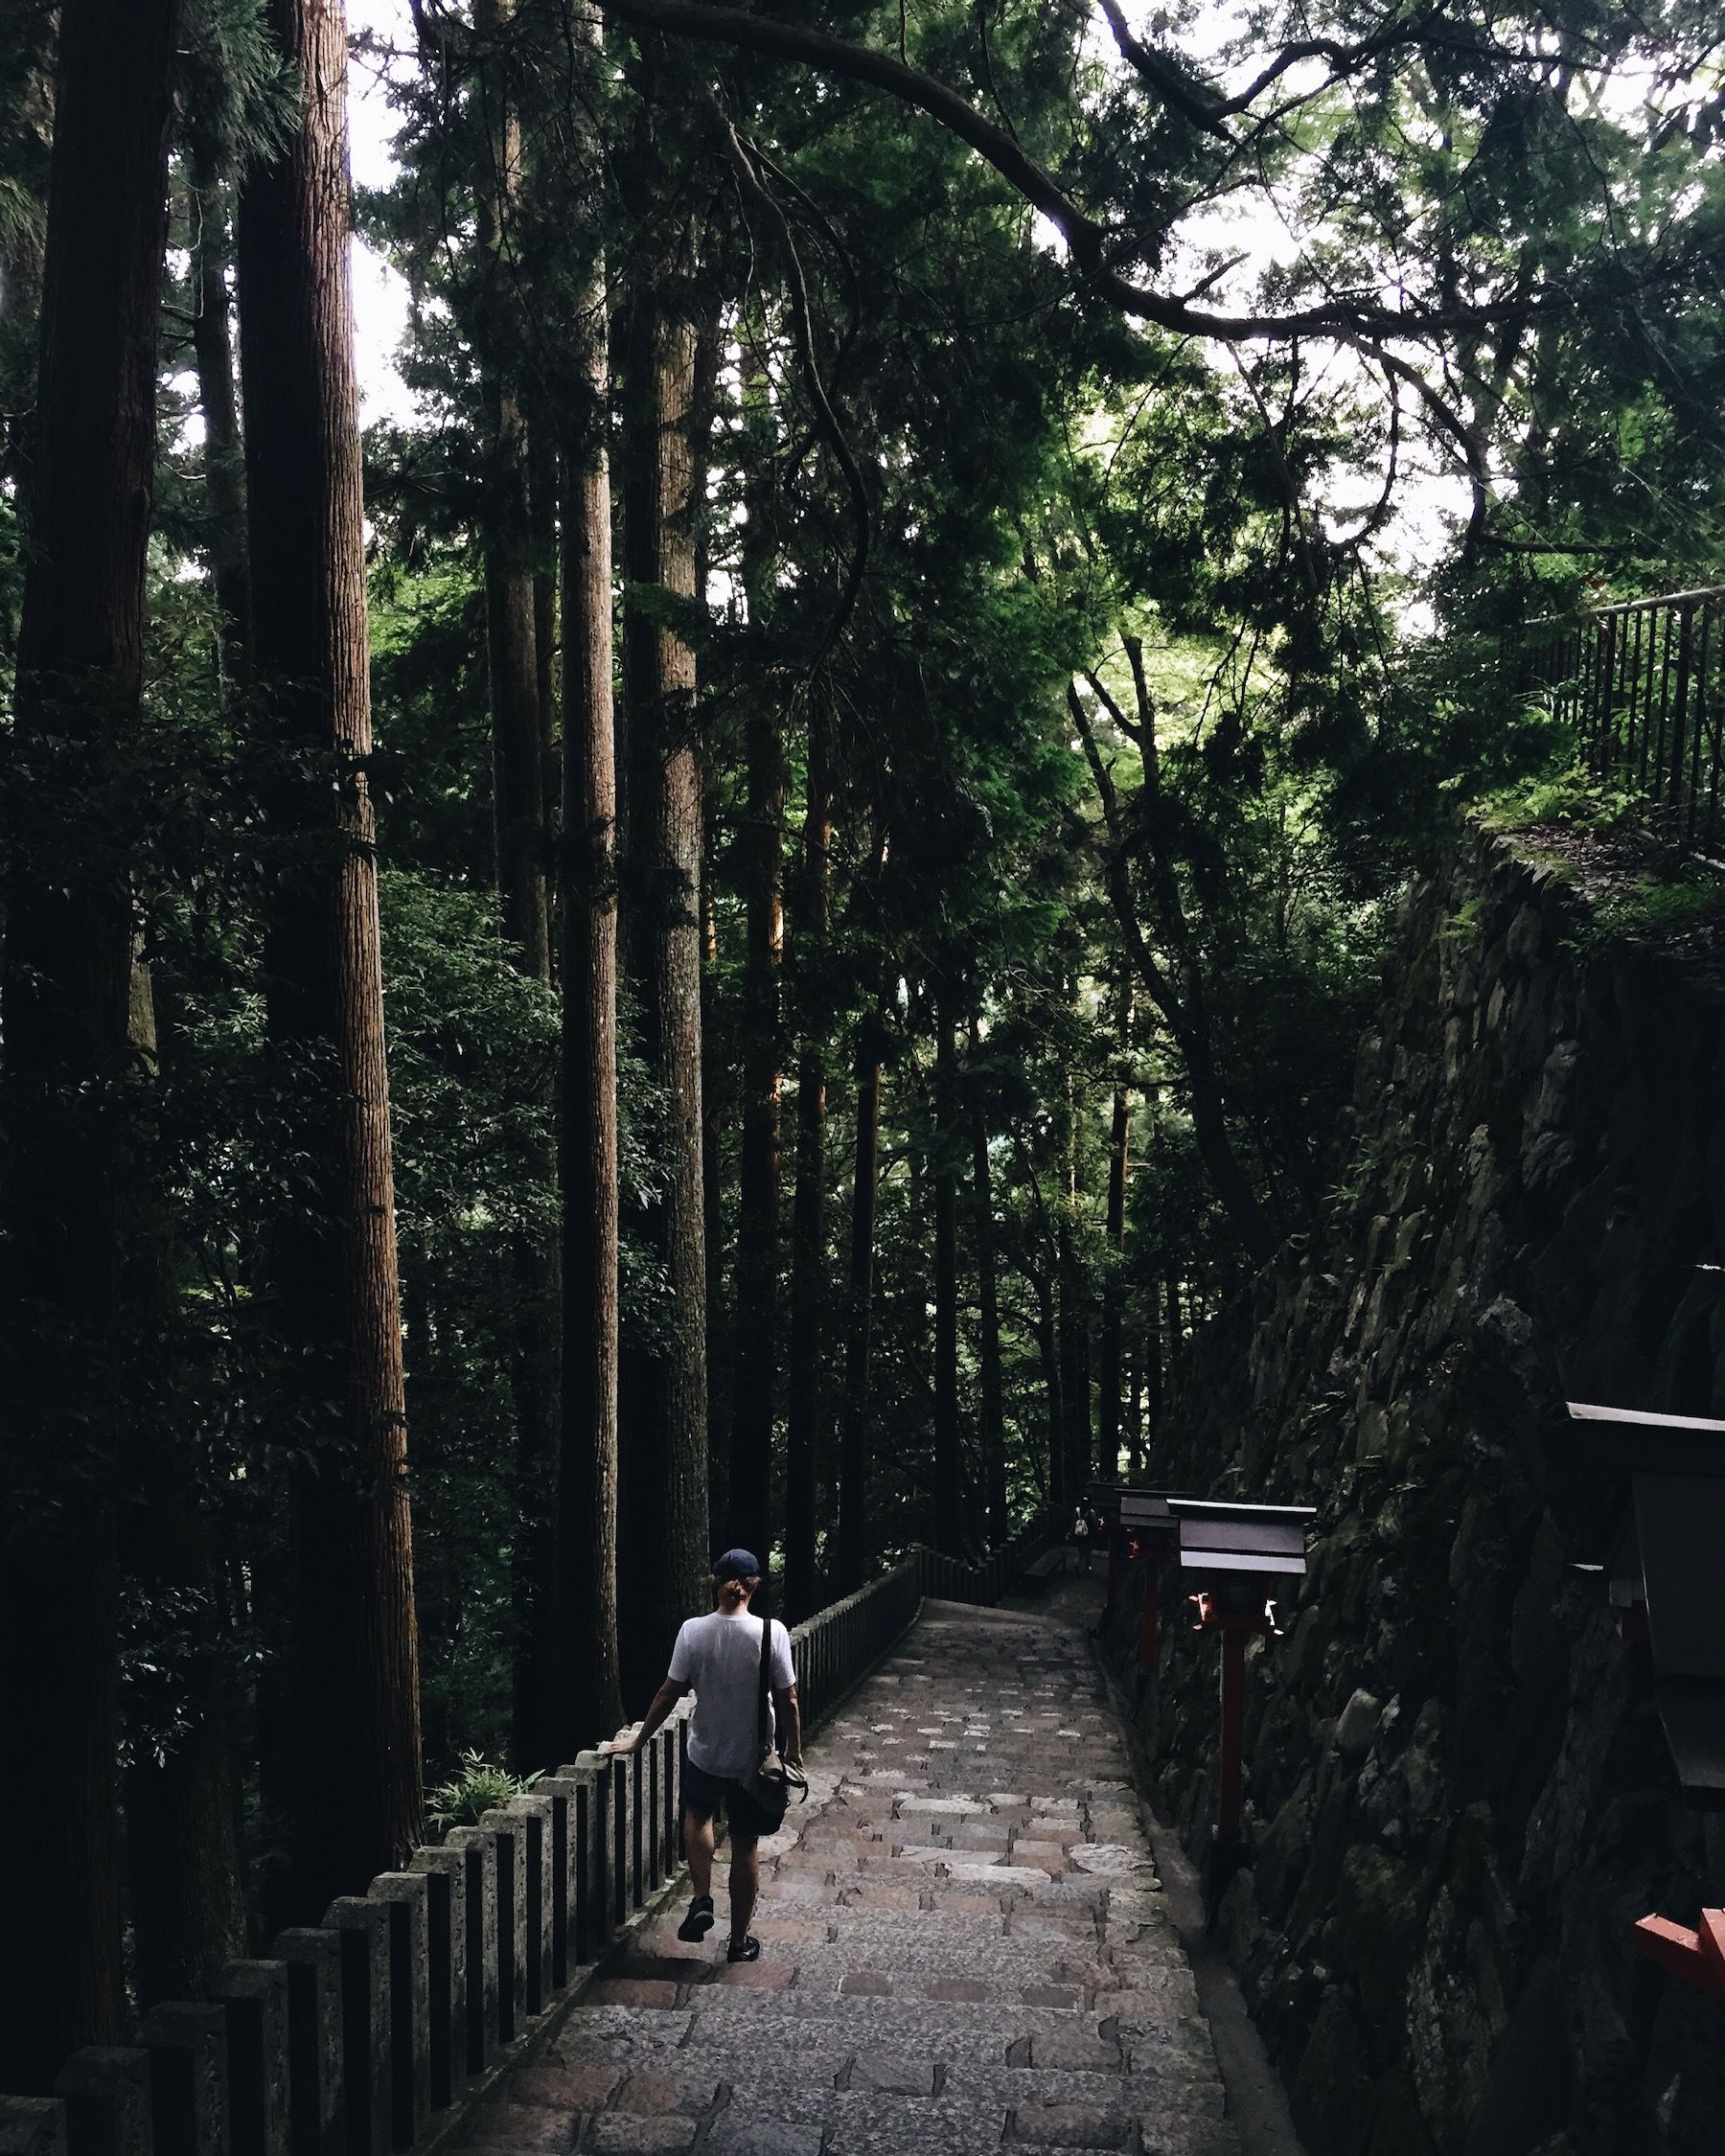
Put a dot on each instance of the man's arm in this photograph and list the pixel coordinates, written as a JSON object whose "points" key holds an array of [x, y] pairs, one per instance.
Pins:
{"points": [[789, 1724], [664, 1701]]}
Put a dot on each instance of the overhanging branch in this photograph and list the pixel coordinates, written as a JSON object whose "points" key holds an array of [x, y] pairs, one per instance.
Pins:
{"points": [[1087, 238]]}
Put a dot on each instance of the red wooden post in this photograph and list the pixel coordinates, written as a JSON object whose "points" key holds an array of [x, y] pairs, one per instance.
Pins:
{"points": [[1147, 1643], [1230, 1808]]}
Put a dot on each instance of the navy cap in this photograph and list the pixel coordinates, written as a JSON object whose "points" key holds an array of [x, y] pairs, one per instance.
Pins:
{"points": [[737, 1564]]}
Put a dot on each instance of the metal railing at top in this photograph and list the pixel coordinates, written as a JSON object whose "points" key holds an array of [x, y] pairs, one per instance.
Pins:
{"points": [[1644, 685]]}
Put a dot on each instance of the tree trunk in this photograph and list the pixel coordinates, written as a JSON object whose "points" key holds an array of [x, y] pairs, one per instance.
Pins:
{"points": [[716, 1091], [993, 1401], [1114, 1296], [1075, 1372], [185, 1894], [665, 1557], [808, 1231], [1151, 1357], [66, 998], [223, 453], [523, 848], [354, 1765], [949, 1453], [1047, 1344], [1186, 1009], [543, 479], [855, 1445], [1174, 1325], [748, 1520], [185, 1890], [588, 1694]]}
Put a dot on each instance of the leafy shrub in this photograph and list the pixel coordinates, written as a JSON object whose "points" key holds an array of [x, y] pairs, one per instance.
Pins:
{"points": [[476, 1788]]}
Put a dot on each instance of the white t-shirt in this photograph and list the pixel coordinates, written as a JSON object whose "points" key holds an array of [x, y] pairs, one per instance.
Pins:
{"points": [[720, 1657]]}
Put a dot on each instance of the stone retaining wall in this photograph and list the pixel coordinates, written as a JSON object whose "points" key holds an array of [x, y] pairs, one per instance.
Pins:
{"points": [[1459, 1792]]}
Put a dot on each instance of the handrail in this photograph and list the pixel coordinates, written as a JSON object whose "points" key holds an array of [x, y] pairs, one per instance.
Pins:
{"points": [[381, 2027]]}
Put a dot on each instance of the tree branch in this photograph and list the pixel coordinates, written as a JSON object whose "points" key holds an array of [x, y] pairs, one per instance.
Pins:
{"points": [[1087, 238]]}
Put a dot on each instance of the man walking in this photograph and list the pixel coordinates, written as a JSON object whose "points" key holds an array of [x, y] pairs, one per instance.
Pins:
{"points": [[719, 1659]]}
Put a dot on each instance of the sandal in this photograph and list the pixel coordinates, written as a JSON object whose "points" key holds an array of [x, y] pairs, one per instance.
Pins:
{"points": [[747, 1949]]}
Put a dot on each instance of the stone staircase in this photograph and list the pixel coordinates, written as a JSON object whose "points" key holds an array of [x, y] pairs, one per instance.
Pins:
{"points": [[965, 1947]]}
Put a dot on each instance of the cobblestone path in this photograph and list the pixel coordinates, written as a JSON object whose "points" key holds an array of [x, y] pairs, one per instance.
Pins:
{"points": [[964, 1947]]}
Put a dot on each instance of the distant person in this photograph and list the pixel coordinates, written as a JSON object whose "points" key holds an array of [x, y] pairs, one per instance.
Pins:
{"points": [[1080, 1538], [719, 1659]]}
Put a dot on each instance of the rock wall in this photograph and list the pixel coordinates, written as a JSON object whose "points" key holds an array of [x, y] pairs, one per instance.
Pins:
{"points": [[1459, 1793]]}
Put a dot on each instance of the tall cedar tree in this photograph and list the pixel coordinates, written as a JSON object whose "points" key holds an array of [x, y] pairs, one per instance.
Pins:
{"points": [[991, 1397], [588, 1694], [1114, 1292], [67, 1000], [512, 628], [748, 1518], [663, 1554], [804, 1396], [354, 1779], [856, 1428], [948, 1456]]}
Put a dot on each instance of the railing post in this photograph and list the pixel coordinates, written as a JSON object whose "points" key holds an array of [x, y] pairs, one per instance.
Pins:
{"points": [[187, 2077], [479, 1854], [106, 2093], [33, 2127], [445, 1872], [1603, 731], [367, 2037], [509, 1830], [316, 2106], [591, 1774], [253, 1997], [1680, 716], [533, 1814], [405, 1896], [559, 1793]]}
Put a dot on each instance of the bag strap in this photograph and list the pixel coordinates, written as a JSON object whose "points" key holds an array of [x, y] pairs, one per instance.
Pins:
{"points": [[763, 1710]]}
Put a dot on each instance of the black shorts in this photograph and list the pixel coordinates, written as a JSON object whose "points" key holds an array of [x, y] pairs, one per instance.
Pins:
{"points": [[709, 1796]]}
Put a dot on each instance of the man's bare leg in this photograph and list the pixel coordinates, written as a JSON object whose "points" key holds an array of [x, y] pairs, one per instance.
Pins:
{"points": [[698, 1845], [745, 1883]]}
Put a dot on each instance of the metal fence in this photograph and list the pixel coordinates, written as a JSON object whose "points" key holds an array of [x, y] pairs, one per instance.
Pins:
{"points": [[1644, 685], [382, 2027]]}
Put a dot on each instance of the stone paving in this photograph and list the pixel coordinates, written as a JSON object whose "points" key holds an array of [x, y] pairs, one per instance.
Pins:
{"points": [[963, 1945]]}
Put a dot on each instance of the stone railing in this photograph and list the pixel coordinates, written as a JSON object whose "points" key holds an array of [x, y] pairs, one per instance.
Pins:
{"points": [[378, 2028]]}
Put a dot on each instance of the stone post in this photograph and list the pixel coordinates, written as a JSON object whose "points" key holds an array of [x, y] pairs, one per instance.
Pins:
{"points": [[316, 2113], [511, 1832], [479, 1853], [106, 2093], [187, 2077], [33, 2127], [407, 1896], [253, 1996], [590, 1837], [559, 1792], [445, 1872], [534, 1812], [363, 1929]]}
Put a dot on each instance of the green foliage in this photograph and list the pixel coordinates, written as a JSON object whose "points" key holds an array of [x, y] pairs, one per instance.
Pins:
{"points": [[475, 1787], [1571, 794]]}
